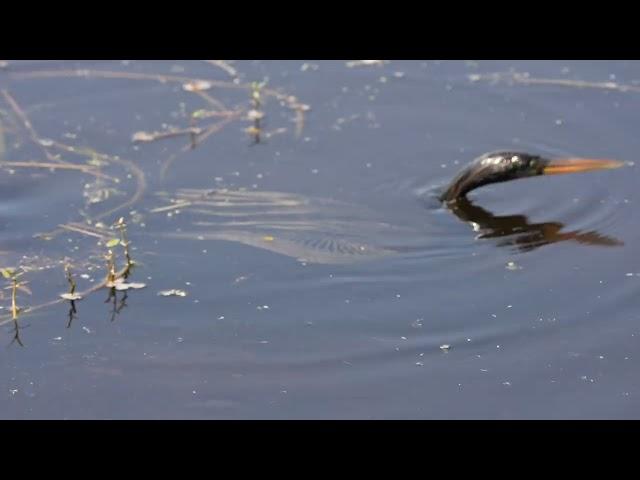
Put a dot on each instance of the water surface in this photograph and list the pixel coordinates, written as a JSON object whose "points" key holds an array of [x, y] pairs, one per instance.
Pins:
{"points": [[322, 277]]}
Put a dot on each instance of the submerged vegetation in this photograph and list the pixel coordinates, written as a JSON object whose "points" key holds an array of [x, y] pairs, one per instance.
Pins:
{"points": [[116, 184]]}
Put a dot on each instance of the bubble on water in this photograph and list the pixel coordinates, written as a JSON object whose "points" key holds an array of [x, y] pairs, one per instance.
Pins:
{"points": [[417, 323], [172, 293]]}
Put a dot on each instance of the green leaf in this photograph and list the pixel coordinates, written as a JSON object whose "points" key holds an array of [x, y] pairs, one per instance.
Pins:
{"points": [[113, 242], [8, 272]]}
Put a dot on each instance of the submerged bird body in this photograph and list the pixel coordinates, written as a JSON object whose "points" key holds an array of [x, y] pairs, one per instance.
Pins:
{"points": [[328, 231]]}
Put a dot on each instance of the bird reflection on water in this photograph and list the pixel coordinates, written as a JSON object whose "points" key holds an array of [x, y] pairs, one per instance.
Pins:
{"points": [[518, 232]]}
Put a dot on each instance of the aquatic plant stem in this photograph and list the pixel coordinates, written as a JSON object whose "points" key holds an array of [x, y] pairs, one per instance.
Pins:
{"points": [[28, 125]]}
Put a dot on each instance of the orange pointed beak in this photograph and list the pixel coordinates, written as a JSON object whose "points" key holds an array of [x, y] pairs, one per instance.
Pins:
{"points": [[576, 165]]}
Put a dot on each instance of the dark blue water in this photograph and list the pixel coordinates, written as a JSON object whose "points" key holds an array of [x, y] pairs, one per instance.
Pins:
{"points": [[322, 278]]}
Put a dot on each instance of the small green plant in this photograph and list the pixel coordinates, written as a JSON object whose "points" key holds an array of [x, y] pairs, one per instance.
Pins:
{"points": [[13, 275], [256, 96], [256, 114], [111, 268], [124, 241], [71, 294], [72, 283]]}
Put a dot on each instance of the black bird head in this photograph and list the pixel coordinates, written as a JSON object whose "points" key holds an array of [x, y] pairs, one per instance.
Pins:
{"points": [[504, 166]]}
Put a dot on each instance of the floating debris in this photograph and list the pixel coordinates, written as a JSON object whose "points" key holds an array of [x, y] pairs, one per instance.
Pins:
{"points": [[96, 192], [146, 137], [365, 63], [202, 114], [224, 66], [143, 137], [525, 78], [71, 296], [171, 207], [255, 115], [309, 66], [172, 293], [417, 323], [197, 86], [512, 266], [120, 286]]}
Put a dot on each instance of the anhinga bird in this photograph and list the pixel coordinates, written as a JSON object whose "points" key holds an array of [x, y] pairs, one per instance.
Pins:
{"points": [[516, 229], [504, 166]]}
